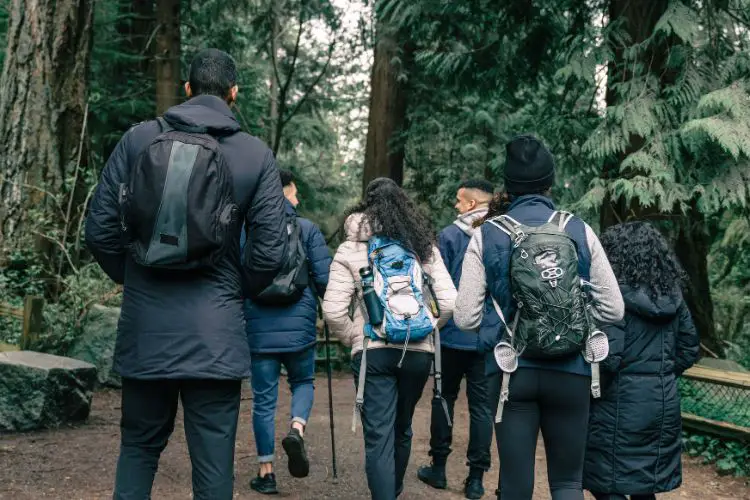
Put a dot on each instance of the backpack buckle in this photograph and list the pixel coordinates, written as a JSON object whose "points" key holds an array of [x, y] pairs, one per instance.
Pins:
{"points": [[518, 239]]}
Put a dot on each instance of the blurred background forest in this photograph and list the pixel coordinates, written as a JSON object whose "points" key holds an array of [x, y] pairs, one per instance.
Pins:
{"points": [[644, 103]]}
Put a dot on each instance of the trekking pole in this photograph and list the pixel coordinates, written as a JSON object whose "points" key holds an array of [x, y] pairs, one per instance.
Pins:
{"points": [[330, 392]]}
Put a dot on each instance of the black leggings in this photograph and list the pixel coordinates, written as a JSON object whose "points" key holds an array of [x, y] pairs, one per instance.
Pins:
{"points": [[558, 404]]}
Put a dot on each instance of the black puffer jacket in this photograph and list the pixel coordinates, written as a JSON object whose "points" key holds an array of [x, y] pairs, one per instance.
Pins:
{"points": [[635, 441], [190, 324]]}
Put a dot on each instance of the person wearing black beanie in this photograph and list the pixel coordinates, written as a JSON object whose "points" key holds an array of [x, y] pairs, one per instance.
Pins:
{"points": [[550, 394], [529, 166]]}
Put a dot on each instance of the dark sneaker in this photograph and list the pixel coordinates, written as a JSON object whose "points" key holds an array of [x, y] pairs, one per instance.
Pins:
{"points": [[265, 485], [434, 476], [294, 446], [473, 488]]}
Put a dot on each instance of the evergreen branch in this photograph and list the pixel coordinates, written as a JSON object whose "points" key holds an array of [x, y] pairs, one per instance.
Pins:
{"points": [[312, 86], [285, 89]]}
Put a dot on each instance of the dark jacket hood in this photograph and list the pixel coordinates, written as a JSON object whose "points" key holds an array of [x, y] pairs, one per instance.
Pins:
{"points": [[204, 112], [639, 301]]}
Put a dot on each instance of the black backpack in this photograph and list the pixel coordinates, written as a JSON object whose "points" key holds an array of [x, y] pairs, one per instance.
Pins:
{"points": [[177, 208], [294, 276]]}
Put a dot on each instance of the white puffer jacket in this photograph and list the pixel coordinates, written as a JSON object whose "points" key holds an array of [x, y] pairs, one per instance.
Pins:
{"points": [[350, 257]]}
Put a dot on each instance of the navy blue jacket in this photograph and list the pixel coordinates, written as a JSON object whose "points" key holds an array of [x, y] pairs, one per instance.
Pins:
{"points": [[530, 210], [453, 241], [189, 324], [635, 429], [292, 328]]}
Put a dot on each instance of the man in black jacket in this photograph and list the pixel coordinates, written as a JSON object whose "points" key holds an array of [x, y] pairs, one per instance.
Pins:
{"points": [[181, 333]]}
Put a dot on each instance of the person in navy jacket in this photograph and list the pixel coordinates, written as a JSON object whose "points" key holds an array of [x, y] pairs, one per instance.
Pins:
{"points": [[286, 336], [461, 357]]}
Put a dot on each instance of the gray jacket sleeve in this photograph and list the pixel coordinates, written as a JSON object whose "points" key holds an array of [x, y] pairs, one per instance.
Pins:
{"points": [[472, 288], [608, 306]]}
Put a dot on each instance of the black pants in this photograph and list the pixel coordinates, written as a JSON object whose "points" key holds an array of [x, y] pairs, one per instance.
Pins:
{"points": [[211, 408], [617, 496], [558, 404], [390, 396], [455, 365]]}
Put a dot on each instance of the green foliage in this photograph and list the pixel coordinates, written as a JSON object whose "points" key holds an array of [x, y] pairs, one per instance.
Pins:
{"points": [[730, 457], [676, 129]]}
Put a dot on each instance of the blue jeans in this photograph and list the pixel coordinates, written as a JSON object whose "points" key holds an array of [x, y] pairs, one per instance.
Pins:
{"points": [[266, 368]]}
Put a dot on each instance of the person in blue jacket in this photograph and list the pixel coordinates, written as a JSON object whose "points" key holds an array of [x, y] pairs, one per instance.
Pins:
{"points": [[286, 336], [547, 395], [460, 358]]}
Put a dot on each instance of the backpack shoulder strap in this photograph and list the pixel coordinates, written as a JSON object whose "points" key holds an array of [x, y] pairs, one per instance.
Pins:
{"points": [[506, 224], [164, 125], [561, 219]]}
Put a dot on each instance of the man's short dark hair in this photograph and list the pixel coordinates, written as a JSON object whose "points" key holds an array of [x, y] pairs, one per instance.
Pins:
{"points": [[480, 184], [212, 72], [287, 177]]}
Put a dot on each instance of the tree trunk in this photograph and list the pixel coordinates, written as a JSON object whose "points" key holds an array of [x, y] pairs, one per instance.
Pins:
{"points": [[42, 103], [137, 28], [640, 18], [692, 247], [384, 153], [167, 59]]}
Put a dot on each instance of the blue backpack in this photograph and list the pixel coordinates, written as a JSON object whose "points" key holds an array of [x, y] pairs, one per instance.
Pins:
{"points": [[398, 280]]}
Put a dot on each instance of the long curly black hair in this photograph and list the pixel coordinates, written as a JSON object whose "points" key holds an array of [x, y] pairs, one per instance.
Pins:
{"points": [[391, 213], [641, 257]]}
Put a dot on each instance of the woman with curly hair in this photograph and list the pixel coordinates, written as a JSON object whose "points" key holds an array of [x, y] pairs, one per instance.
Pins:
{"points": [[635, 429], [395, 373]]}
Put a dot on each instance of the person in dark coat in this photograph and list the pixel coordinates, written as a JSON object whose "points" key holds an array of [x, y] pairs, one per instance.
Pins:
{"points": [[635, 430], [461, 358], [286, 336], [182, 333]]}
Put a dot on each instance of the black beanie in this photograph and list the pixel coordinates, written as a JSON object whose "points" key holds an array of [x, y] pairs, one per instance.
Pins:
{"points": [[529, 166]]}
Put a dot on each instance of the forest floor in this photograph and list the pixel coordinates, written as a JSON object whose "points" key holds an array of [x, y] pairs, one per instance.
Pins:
{"points": [[75, 463]]}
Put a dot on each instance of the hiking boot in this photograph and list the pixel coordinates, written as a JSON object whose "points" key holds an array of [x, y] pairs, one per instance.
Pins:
{"points": [[473, 488], [294, 446], [433, 475], [265, 485]]}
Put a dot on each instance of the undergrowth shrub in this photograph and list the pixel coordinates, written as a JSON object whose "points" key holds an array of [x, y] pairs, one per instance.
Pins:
{"points": [[730, 457]]}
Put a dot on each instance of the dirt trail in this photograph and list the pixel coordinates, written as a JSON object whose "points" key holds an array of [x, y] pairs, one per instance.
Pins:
{"points": [[79, 463]]}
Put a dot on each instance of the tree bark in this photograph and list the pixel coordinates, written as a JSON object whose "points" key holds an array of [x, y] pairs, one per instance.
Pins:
{"points": [[384, 153], [692, 247], [42, 103], [167, 59]]}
